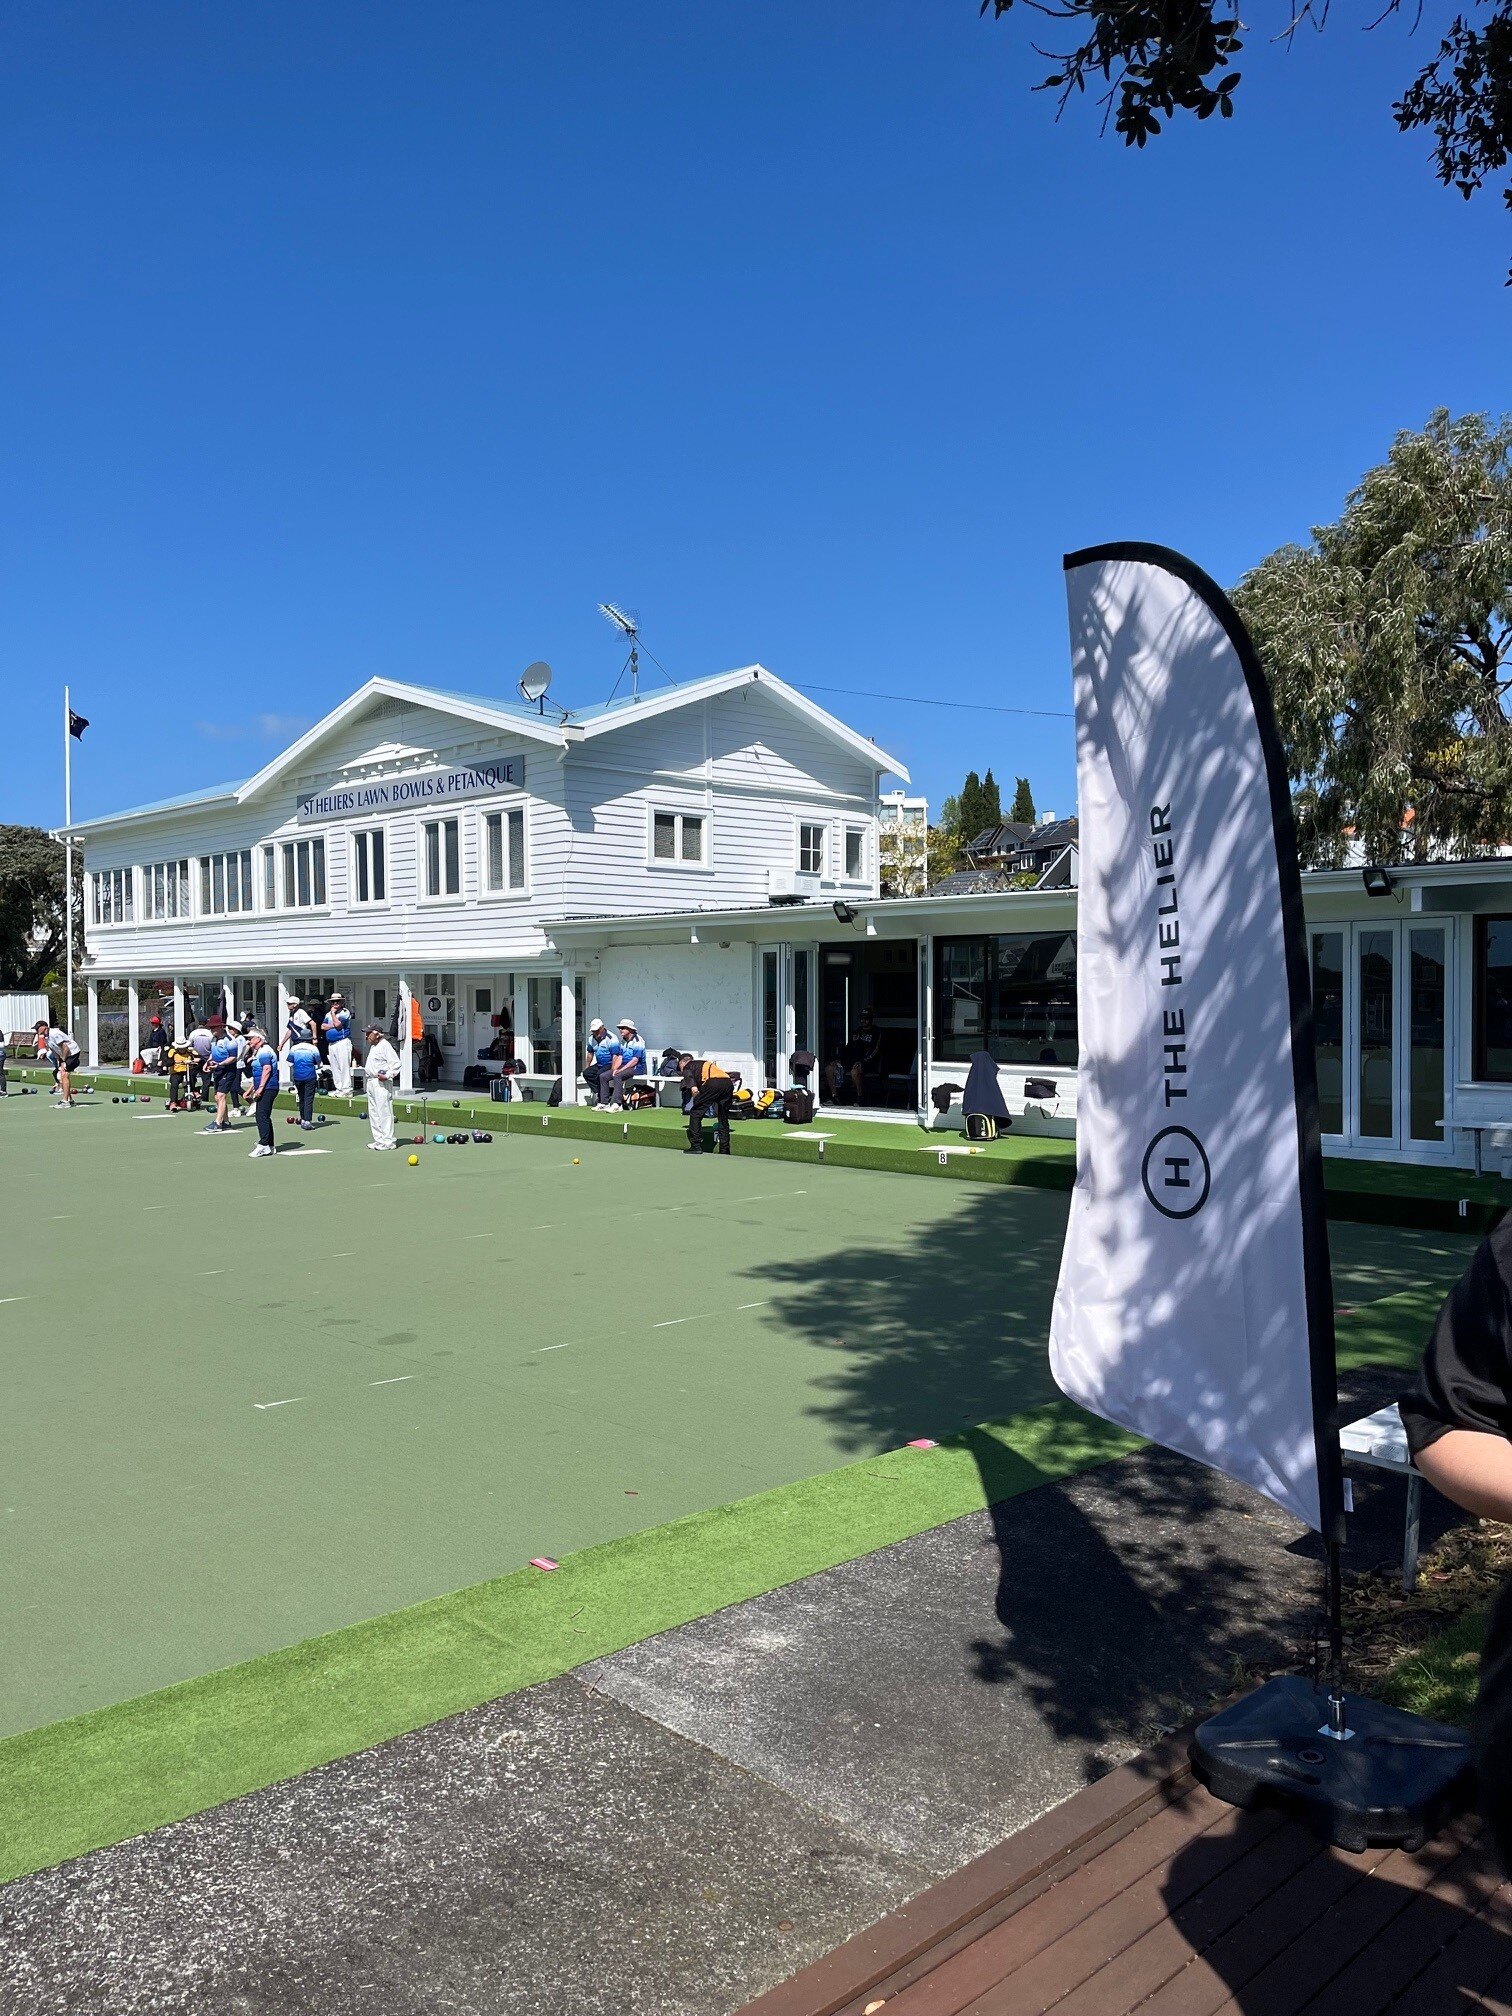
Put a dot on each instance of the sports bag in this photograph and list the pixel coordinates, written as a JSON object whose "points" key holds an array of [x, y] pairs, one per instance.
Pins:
{"points": [[798, 1106]]}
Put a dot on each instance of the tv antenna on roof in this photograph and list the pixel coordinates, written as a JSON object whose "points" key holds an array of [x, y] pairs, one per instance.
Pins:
{"points": [[535, 682], [628, 626]]}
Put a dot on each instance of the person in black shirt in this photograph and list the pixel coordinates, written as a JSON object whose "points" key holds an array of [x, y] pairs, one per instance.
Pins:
{"points": [[1458, 1417], [707, 1088]]}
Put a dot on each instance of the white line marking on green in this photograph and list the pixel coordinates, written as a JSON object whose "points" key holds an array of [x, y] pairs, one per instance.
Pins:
{"points": [[262, 1406], [15, 1298], [397, 1380], [753, 1305], [554, 1347], [206, 1272]]}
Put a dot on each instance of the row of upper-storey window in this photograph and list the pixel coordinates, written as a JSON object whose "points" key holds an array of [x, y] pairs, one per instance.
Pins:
{"points": [[290, 875]]}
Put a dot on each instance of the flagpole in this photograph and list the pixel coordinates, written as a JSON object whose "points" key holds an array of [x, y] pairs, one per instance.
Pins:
{"points": [[68, 1013]]}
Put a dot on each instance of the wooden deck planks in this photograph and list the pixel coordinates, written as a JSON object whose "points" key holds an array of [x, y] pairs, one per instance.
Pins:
{"points": [[1145, 1893]]}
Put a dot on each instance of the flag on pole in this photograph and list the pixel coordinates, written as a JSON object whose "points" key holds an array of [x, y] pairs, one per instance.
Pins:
{"points": [[76, 725], [1194, 1304]]}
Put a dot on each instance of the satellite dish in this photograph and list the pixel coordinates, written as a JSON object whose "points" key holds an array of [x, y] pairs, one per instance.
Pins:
{"points": [[535, 681]]}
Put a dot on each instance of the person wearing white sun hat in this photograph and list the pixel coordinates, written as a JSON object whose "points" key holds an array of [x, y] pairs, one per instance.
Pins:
{"points": [[630, 1063]]}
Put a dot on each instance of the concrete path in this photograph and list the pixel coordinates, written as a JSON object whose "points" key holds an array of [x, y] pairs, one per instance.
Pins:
{"points": [[678, 1827]]}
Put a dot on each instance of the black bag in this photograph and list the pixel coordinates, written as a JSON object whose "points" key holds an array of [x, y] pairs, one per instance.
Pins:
{"points": [[554, 1096], [1041, 1088], [798, 1106], [500, 1090], [474, 1076], [942, 1095], [982, 1127]]}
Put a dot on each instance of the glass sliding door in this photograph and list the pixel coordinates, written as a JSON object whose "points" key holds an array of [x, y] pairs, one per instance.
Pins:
{"points": [[1382, 1012], [771, 1012], [1328, 1026], [1427, 1021], [1375, 1113]]}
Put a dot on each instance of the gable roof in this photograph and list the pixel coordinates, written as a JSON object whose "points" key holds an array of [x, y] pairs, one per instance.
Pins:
{"points": [[579, 725]]}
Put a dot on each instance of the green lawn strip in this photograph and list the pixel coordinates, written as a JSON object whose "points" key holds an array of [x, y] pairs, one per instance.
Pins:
{"points": [[1440, 1679], [1390, 1331], [1361, 1192], [97, 1778]]}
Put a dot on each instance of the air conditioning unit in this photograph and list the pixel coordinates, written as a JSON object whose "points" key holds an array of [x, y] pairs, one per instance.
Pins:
{"points": [[786, 885]]}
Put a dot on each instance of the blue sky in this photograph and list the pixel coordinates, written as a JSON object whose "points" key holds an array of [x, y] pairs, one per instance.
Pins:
{"points": [[360, 338]]}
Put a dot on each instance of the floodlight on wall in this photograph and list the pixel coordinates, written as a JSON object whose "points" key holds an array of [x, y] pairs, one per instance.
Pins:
{"points": [[1378, 881], [843, 912]]}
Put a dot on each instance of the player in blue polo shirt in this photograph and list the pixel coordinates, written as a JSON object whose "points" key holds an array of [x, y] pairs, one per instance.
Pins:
{"points": [[225, 1078], [262, 1062], [630, 1063], [304, 1065]]}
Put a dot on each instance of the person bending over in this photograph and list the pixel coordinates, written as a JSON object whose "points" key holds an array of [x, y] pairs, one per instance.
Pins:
{"points": [[1458, 1417], [707, 1088], [61, 1051], [304, 1069]]}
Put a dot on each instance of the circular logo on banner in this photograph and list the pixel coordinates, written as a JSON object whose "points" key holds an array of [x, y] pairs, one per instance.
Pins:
{"points": [[433, 1002], [1175, 1174]]}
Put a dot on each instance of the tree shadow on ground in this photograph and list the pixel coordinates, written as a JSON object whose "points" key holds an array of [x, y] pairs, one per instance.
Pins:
{"points": [[1127, 1596]]}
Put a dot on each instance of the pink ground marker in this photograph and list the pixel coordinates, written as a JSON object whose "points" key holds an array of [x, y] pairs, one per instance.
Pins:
{"points": [[543, 1561], [923, 1442]]}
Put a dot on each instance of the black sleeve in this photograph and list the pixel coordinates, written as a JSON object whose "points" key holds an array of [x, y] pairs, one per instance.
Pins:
{"points": [[1465, 1380]]}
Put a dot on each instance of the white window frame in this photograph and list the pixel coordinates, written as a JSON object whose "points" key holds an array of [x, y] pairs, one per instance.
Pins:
{"points": [[680, 814], [355, 835], [440, 820], [204, 875], [502, 810], [286, 882], [821, 827], [121, 883], [849, 831], [182, 867]]}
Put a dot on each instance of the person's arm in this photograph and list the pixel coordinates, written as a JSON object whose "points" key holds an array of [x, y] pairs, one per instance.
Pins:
{"points": [[1473, 1468]]}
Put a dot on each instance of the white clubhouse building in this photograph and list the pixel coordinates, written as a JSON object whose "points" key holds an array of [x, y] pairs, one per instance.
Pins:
{"points": [[705, 860]]}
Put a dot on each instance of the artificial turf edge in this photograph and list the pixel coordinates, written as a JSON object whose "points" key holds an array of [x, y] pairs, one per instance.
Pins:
{"points": [[93, 1779], [117, 1771]]}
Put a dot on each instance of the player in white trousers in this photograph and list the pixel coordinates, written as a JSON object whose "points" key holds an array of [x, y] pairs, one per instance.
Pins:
{"points": [[380, 1076], [337, 1030]]}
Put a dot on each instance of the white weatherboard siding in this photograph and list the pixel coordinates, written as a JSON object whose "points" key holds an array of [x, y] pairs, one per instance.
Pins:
{"points": [[746, 761], [696, 996]]}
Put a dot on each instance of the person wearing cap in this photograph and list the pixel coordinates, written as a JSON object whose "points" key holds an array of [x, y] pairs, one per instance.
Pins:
{"points": [[262, 1063], [337, 1030], [630, 1063], [381, 1075], [304, 1069], [225, 1076], [598, 1061]]}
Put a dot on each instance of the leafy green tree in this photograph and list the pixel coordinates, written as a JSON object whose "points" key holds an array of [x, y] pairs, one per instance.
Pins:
{"points": [[973, 806], [1146, 60], [33, 925], [1023, 804], [1388, 644], [992, 803]]}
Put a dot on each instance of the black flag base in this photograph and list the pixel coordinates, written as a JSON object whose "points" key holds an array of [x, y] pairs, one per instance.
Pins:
{"points": [[1391, 1778]]}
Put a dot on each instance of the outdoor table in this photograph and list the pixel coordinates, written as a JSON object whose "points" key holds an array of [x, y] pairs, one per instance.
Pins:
{"points": [[1380, 1441]]}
